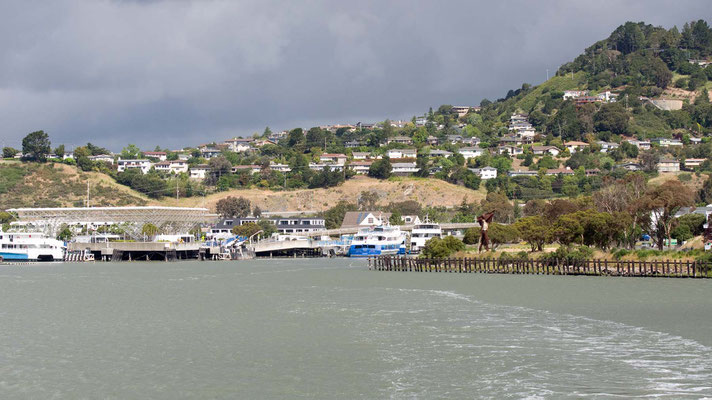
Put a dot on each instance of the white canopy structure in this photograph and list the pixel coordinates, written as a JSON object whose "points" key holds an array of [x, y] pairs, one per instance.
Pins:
{"points": [[171, 220]]}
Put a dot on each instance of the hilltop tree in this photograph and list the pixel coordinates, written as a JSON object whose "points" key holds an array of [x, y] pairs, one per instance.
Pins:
{"points": [[380, 169], [36, 146], [233, 207], [9, 152], [130, 152]]}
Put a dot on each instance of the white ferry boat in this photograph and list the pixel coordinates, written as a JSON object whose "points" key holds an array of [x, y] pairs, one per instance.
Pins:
{"points": [[16, 246], [379, 240], [422, 232]]}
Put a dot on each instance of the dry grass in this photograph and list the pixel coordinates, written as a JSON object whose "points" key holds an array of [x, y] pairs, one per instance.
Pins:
{"points": [[428, 192]]}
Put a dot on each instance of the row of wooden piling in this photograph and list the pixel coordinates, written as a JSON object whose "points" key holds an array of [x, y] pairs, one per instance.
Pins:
{"points": [[593, 267]]}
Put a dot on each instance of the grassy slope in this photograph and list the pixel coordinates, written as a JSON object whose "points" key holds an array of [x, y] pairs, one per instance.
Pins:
{"points": [[554, 84], [431, 192], [59, 185]]}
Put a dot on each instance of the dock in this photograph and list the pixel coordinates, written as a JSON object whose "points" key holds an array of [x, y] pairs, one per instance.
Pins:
{"points": [[593, 267], [139, 251]]}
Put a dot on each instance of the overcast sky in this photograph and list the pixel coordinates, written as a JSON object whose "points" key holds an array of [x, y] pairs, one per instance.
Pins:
{"points": [[180, 73]]}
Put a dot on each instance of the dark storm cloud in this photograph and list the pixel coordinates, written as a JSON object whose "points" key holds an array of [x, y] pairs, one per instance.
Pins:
{"points": [[178, 73]]}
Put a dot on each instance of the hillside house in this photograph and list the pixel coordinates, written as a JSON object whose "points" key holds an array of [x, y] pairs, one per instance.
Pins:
{"points": [[143, 165], [439, 153], [239, 145], [160, 155], [640, 144], [279, 167], [665, 142], [511, 150], [692, 163], [252, 169], [470, 152], [329, 158], [364, 219], [199, 172], [544, 150], [209, 152], [607, 146], [360, 167], [574, 146], [402, 153], [404, 168], [102, 158], [400, 140], [668, 165], [522, 172], [485, 172]]}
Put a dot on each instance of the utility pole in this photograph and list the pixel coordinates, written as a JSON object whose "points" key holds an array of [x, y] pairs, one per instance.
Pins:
{"points": [[547, 74], [176, 188], [87, 205]]}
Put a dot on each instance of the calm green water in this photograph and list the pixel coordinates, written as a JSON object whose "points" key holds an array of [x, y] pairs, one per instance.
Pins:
{"points": [[331, 329]]}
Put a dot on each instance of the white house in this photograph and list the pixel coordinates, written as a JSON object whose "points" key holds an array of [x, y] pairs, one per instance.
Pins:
{"points": [[199, 171], [103, 158], [572, 94], [470, 152], [339, 159], [402, 153], [321, 166], [361, 155], [280, 167], [485, 173], [160, 155], [252, 168], [143, 165], [641, 144], [511, 150], [360, 167], [668, 165], [665, 142], [575, 146], [178, 166], [406, 168], [541, 150], [239, 145], [400, 140], [691, 163], [607, 146], [208, 152]]}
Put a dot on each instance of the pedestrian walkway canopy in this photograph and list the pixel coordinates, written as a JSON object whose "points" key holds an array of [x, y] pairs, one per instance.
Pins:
{"points": [[168, 219]]}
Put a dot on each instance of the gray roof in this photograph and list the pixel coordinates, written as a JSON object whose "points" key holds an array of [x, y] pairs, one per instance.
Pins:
{"points": [[354, 218]]}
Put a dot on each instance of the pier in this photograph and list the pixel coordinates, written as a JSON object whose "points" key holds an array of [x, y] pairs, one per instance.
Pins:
{"points": [[138, 251], [662, 269]]}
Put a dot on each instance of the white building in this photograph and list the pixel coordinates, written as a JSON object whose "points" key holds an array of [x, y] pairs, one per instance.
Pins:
{"points": [[103, 158], [160, 155], [402, 153], [360, 167], [280, 167], [485, 173], [406, 168], [143, 165], [338, 159], [239, 145], [470, 152], [199, 171]]}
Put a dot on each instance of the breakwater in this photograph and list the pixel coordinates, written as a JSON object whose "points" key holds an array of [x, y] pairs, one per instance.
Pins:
{"points": [[593, 267]]}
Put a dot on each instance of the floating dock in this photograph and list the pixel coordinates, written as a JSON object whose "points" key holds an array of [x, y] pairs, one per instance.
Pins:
{"points": [[663, 269]]}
